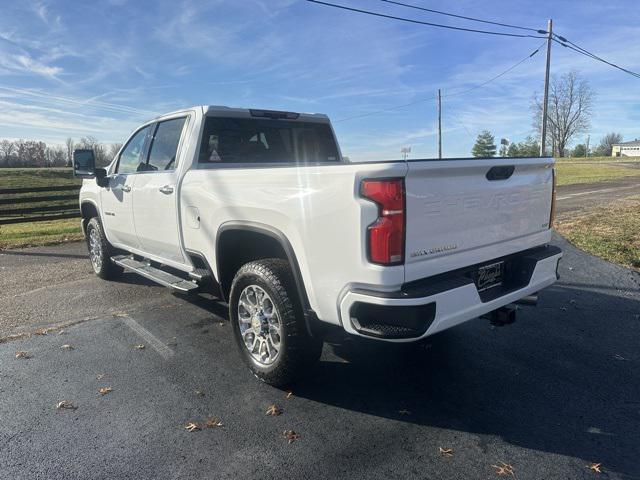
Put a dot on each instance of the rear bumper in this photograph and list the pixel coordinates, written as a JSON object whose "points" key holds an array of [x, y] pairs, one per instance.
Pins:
{"points": [[431, 305]]}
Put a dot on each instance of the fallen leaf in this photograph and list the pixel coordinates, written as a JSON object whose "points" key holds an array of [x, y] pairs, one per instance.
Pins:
{"points": [[274, 411], [290, 435], [140, 346], [504, 469], [213, 423], [404, 412], [192, 427], [199, 393], [41, 331], [289, 394], [595, 467], [446, 452], [120, 314], [67, 347], [22, 354], [65, 405], [105, 390]]}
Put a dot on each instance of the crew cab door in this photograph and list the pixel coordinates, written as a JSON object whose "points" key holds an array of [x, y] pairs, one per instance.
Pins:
{"points": [[155, 205], [117, 198]]}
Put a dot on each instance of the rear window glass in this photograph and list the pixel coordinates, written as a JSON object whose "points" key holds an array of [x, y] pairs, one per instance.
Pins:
{"points": [[247, 140]]}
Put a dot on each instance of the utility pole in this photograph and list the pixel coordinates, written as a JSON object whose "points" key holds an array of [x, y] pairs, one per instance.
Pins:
{"points": [[545, 102], [586, 152], [439, 125]]}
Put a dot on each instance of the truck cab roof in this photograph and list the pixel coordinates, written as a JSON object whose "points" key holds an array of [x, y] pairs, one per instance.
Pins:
{"points": [[234, 112]]}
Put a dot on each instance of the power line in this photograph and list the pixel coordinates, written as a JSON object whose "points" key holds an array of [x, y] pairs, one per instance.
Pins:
{"points": [[576, 48], [475, 87], [457, 119], [419, 22], [515, 65], [542, 32], [396, 107]]}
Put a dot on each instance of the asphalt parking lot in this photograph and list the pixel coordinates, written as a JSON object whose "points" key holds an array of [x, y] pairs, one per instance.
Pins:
{"points": [[549, 395]]}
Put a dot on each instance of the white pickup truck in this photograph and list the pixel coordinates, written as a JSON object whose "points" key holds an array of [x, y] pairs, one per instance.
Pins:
{"points": [[261, 208]]}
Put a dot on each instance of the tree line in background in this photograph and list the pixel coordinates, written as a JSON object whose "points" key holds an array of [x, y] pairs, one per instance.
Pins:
{"points": [[485, 146], [33, 153], [568, 116]]}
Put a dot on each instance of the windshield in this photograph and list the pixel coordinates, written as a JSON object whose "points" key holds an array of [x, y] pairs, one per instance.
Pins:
{"points": [[246, 140]]}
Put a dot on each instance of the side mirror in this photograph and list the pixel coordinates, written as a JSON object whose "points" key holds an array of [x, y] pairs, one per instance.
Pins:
{"points": [[84, 164], [101, 177]]}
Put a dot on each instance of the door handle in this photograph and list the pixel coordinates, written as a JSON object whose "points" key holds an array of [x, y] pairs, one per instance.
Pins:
{"points": [[167, 189], [126, 188]]}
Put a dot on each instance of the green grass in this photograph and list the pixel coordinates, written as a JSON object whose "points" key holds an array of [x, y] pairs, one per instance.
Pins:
{"points": [[39, 233], [611, 232], [571, 173], [36, 177]]}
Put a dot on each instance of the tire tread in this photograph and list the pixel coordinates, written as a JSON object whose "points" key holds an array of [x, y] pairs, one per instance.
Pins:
{"points": [[302, 350]]}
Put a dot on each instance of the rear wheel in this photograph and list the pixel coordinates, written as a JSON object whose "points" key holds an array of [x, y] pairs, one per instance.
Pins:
{"points": [[101, 251], [268, 323]]}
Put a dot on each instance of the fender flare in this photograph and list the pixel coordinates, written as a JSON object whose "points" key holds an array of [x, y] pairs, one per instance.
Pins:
{"points": [[83, 223], [310, 316]]}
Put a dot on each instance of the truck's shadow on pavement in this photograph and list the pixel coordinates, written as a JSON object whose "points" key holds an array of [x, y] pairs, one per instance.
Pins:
{"points": [[563, 379]]}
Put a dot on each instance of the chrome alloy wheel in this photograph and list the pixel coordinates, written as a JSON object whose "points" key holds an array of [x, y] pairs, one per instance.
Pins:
{"points": [[259, 324], [95, 250]]}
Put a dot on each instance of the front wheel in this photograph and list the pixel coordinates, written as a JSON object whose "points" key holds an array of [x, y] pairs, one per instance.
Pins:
{"points": [[268, 323], [100, 251]]}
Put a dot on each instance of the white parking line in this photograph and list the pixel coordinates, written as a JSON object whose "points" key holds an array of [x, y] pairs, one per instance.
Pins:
{"points": [[149, 337], [564, 197]]}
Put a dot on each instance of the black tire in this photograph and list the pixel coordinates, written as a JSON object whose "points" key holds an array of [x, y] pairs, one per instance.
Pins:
{"points": [[298, 351], [102, 264]]}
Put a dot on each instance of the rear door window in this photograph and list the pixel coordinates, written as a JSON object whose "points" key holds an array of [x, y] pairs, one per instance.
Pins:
{"points": [[245, 140]]}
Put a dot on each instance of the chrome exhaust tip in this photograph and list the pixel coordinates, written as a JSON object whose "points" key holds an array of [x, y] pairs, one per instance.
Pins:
{"points": [[531, 300]]}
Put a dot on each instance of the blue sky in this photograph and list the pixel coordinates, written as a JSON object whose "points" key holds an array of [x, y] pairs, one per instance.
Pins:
{"points": [[75, 68]]}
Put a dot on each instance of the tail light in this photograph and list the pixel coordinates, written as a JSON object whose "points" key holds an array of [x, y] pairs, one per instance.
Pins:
{"points": [[385, 236], [552, 216]]}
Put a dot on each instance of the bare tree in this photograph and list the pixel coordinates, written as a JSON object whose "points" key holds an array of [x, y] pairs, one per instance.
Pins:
{"points": [[70, 146], [7, 149], [607, 143], [114, 148], [569, 112], [56, 156], [99, 150]]}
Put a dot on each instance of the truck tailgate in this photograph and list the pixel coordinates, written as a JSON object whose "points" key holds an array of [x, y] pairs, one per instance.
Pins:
{"points": [[458, 207]]}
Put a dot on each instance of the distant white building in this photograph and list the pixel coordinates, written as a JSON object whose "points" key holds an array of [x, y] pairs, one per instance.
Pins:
{"points": [[626, 149]]}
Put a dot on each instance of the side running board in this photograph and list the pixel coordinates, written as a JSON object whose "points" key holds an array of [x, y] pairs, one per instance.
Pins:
{"points": [[159, 276]]}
